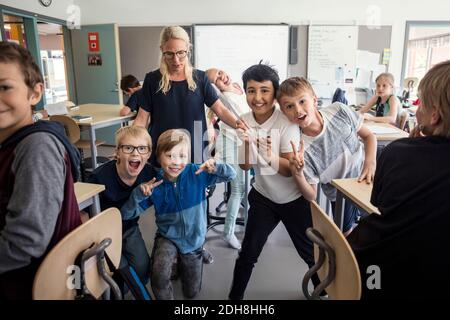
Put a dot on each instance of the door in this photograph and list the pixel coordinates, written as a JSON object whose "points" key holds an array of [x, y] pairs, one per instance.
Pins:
{"points": [[97, 69]]}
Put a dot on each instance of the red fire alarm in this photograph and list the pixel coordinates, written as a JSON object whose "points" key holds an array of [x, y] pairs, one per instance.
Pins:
{"points": [[94, 41]]}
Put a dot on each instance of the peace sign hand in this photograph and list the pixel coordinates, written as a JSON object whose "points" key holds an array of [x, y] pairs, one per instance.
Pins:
{"points": [[147, 187], [209, 165], [297, 161]]}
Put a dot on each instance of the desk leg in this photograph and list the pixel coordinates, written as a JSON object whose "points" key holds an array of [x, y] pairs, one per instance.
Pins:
{"points": [[93, 147], [95, 208], [339, 210]]}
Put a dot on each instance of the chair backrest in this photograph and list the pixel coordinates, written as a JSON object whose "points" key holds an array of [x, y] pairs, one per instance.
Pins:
{"points": [[53, 280], [346, 284], [402, 119], [70, 126]]}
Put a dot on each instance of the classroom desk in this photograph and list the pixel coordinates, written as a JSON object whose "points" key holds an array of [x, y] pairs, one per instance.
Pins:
{"points": [[386, 138], [103, 115], [87, 195], [357, 192]]}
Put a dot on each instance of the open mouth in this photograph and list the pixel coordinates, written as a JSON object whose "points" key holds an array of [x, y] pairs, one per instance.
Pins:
{"points": [[301, 117], [134, 164]]}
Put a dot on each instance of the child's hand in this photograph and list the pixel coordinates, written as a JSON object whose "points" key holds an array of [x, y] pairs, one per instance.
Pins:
{"points": [[368, 116], [416, 132], [264, 147], [297, 161], [209, 165], [241, 124], [148, 187], [368, 172], [243, 135]]}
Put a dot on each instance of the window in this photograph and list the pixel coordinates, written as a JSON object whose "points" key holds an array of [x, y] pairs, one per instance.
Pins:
{"points": [[426, 44]]}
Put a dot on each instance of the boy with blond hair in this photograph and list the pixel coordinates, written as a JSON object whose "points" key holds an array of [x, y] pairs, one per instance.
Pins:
{"points": [[332, 149], [120, 177], [178, 196]]}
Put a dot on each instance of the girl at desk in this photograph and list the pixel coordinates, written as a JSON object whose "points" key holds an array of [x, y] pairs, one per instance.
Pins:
{"points": [[387, 104]]}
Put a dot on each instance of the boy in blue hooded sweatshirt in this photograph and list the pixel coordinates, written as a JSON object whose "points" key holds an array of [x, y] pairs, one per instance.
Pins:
{"points": [[180, 208]]}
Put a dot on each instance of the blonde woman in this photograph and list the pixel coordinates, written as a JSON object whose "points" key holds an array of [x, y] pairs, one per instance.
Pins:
{"points": [[175, 94]]}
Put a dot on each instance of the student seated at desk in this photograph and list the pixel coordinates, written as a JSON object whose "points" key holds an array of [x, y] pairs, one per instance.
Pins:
{"points": [[409, 241], [38, 167], [387, 104], [331, 143], [120, 177], [132, 88]]}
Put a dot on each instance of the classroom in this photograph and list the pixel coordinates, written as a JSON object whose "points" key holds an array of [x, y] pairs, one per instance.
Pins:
{"points": [[149, 150]]}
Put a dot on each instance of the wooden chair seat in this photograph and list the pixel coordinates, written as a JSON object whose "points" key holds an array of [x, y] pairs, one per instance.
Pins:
{"points": [[53, 276], [346, 282]]}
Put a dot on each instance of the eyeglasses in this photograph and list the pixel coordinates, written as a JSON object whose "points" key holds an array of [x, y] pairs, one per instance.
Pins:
{"points": [[130, 149], [180, 54]]}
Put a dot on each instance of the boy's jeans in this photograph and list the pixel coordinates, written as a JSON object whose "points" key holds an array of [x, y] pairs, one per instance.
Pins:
{"points": [[191, 269]]}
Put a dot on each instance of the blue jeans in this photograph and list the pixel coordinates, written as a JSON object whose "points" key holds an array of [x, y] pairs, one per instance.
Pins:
{"points": [[351, 214], [228, 150], [134, 253]]}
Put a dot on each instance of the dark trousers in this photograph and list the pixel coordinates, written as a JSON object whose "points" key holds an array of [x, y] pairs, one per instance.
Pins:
{"points": [[263, 216], [191, 267]]}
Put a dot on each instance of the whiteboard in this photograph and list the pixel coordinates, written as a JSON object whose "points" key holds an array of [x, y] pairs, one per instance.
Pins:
{"points": [[332, 52], [234, 48]]}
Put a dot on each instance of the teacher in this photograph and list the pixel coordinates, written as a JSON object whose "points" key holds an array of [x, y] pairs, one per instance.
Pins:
{"points": [[173, 97]]}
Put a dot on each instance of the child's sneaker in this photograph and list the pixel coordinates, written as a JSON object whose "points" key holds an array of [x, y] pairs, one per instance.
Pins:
{"points": [[207, 257], [232, 241]]}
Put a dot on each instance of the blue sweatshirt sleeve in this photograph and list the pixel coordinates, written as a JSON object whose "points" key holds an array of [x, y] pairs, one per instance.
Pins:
{"points": [[136, 204], [224, 172]]}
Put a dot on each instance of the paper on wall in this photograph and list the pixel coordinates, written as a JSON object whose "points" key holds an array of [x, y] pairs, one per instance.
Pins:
{"points": [[56, 108]]}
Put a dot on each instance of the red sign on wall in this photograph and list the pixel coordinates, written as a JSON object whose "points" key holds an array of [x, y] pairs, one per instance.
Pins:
{"points": [[94, 41]]}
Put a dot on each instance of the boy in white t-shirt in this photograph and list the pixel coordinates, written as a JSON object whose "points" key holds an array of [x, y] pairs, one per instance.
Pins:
{"points": [[274, 196], [332, 146]]}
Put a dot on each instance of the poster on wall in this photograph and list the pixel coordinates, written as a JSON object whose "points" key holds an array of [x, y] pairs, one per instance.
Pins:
{"points": [[93, 41], [94, 59]]}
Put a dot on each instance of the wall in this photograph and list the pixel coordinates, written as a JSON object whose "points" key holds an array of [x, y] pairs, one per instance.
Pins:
{"points": [[57, 9], [139, 47], [158, 13], [139, 50], [360, 12]]}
